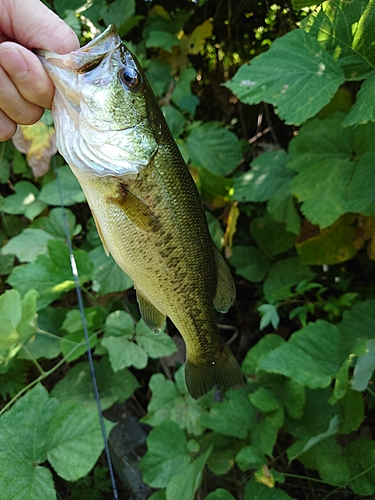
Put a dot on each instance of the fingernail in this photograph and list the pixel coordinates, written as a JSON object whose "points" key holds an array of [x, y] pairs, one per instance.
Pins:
{"points": [[13, 62]]}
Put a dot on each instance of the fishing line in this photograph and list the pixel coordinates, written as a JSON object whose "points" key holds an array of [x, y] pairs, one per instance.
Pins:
{"points": [[73, 265]]}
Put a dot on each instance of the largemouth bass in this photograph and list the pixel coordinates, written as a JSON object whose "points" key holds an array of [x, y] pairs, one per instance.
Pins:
{"points": [[112, 133]]}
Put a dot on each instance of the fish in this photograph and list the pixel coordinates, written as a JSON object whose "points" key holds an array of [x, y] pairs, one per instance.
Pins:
{"points": [[148, 212]]}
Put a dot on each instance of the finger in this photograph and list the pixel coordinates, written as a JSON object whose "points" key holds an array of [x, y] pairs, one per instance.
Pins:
{"points": [[27, 74], [7, 127], [36, 27], [14, 105]]}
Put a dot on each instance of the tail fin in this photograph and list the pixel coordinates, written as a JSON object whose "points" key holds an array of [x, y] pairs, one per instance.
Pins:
{"points": [[223, 371]]}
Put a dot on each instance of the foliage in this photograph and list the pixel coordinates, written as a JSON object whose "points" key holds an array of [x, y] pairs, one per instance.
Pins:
{"points": [[272, 108]]}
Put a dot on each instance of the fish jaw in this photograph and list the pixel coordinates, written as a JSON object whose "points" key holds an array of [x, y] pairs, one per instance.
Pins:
{"points": [[101, 126]]}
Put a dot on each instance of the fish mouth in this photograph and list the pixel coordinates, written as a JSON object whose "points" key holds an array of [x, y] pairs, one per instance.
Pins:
{"points": [[63, 69]]}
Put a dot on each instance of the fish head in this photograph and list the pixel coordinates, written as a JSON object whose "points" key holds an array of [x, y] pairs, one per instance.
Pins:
{"points": [[101, 107]]}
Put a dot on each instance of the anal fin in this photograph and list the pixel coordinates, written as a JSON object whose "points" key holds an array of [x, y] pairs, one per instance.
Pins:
{"points": [[153, 318], [225, 289]]}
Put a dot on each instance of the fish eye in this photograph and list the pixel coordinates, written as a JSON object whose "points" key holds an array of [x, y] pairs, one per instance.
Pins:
{"points": [[130, 77]]}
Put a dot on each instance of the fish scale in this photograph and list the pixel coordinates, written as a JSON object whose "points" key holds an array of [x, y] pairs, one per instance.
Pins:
{"points": [[144, 201]]}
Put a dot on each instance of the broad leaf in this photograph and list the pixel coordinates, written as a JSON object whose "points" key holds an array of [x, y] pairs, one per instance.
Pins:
{"points": [[295, 75], [70, 189], [166, 454], [249, 262], [214, 148], [27, 245], [107, 276], [25, 201]]}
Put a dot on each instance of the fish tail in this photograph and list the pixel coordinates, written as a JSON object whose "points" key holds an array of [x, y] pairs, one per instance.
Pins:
{"points": [[221, 370]]}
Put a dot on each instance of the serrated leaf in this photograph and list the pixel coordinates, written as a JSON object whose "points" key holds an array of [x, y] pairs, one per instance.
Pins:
{"points": [[185, 483], [294, 66], [118, 11], [51, 275], [351, 48], [23, 446], [168, 403], [265, 344], [266, 175], [156, 346], [282, 276], [199, 36], [107, 276], [27, 245], [70, 188], [249, 262], [234, 416], [214, 148], [74, 439], [123, 353], [113, 387], [166, 454], [363, 109], [269, 316]]}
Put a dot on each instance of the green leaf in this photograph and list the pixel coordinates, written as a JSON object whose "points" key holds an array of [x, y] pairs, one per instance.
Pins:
{"points": [[363, 109], [271, 236], [25, 201], [266, 176], [122, 353], [249, 262], [118, 11], [269, 316], [220, 462], [175, 120], [295, 75], [51, 276], [311, 357], [283, 275], [75, 441], [323, 189], [219, 494], [351, 48], [70, 188], [54, 224], [182, 89], [360, 456], [185, 483], [250, 458], [168, 403], [27, 245], [107, 276], [265, 344], [234, 416], [258, 491], [113, 387], [214, 148], [159, 75], [23, 446], [162, 39], [156, 346], [303, 445], [364, 367], [166, 454], [282, 208]]}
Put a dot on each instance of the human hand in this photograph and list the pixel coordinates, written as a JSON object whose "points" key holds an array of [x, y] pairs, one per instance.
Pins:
{"points": [[25, 88]]}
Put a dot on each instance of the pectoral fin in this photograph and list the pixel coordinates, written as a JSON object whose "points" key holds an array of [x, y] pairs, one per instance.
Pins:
{"points": [[136, 211], [225, 289], [153, 318]]}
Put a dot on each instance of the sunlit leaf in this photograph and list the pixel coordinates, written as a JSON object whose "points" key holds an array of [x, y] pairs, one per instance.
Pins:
{"points": [[293, 67]]}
